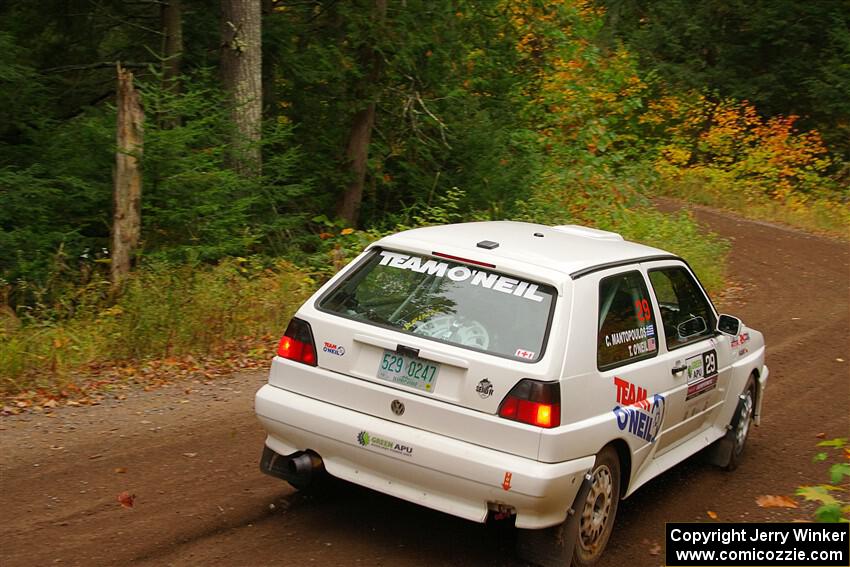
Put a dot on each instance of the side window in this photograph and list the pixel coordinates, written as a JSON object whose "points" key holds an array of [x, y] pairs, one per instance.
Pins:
{"points": [[626, 322], [685, 312]]}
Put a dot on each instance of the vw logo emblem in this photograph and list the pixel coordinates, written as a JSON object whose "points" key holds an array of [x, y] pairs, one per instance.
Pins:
{"points": [[397, 407]]}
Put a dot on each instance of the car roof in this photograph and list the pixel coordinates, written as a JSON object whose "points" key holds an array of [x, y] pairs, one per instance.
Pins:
{"points": [[569, 249]]}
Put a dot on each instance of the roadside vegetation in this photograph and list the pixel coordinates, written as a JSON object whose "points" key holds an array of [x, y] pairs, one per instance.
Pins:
{"points": [[831, 497], [223, 314], [723, 154], [375, 118]]}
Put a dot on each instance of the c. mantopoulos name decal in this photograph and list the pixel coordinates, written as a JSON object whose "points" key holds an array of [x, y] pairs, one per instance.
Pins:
{"points": [[628, 336], [460, 273]]}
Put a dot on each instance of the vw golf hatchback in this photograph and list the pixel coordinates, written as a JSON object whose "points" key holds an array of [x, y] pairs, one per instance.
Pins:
{"points": [[511, 369]]}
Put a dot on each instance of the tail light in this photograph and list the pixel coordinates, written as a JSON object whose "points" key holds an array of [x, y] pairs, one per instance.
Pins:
{"points": [[533, 402], [297, 343]]}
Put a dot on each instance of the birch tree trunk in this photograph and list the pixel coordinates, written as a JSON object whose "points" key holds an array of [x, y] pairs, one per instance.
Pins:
{"points": [[127, 190], [241, 73]]}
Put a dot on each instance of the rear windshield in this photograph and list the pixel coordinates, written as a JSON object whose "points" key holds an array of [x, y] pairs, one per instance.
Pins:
{"points": [[450, 302]]}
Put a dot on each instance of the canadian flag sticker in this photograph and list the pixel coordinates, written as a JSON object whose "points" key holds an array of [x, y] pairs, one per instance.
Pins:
{"points": [[522, 353]]}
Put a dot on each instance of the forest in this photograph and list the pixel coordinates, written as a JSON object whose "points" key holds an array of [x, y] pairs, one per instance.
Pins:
{"points": [[176, 176]]}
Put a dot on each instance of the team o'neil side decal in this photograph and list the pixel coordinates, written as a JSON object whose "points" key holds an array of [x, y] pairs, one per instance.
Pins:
{"points": [[642, 416]]}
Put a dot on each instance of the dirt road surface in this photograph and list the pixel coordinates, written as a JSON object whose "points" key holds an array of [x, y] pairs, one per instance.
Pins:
{"points": [[189, 454]]}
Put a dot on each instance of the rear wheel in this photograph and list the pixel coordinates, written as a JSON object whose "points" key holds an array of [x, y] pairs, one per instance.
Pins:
{"points": [[596, 520], [581, 538]]}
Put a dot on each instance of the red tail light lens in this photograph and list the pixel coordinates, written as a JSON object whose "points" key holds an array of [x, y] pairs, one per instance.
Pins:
{"points": [[533, 402], [297, 343]]}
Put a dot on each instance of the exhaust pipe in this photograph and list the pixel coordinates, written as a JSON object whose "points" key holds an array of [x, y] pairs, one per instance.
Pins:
{"points": [[305, 464], [298, 469]]}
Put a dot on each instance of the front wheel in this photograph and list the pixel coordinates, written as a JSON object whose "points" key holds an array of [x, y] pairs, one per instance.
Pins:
{"points": [[739, 429], [596, 520]]}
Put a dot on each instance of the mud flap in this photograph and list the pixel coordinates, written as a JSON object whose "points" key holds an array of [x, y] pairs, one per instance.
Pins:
{"points": [[280, 466], [273, 464], [553, 547], [719, 453]]}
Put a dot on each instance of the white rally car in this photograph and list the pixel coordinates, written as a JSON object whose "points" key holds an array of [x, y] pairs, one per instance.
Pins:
{"points": [[512, 369]]}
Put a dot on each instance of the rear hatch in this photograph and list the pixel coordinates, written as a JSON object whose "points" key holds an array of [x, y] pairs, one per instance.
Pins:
{"points": [[448, 337]]}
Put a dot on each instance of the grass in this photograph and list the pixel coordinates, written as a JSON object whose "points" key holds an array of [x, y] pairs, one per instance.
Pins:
{"points": [[614, 201], [817, 214], [165, 312], [678, 233]]}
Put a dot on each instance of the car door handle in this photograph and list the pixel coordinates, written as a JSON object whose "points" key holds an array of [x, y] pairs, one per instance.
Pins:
{"points": [[678, 369]]}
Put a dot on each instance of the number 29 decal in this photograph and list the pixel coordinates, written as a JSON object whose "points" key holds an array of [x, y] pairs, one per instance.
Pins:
{"points": [[702, 373], [644, 314], [709, 362]]}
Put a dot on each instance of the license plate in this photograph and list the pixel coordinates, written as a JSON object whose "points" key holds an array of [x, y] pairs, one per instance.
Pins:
{"points": [[409, 371]]}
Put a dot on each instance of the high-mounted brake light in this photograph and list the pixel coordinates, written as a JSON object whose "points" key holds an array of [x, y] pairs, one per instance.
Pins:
{"points": [[297, 343], [533, 402], [464, 260]]}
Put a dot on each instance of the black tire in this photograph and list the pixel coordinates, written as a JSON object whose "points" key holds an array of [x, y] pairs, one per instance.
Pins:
{"points": [[596, 515], [739, 428]]}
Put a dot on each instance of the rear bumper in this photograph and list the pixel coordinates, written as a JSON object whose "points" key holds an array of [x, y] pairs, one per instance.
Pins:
{"points": [[432, 470]]}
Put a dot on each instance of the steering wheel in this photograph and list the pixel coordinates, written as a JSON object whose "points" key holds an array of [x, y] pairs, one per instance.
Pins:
{"points": [[466, 332]]}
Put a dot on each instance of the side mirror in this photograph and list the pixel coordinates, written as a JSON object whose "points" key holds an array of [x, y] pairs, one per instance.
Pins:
{"points": [[729, 325]]}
